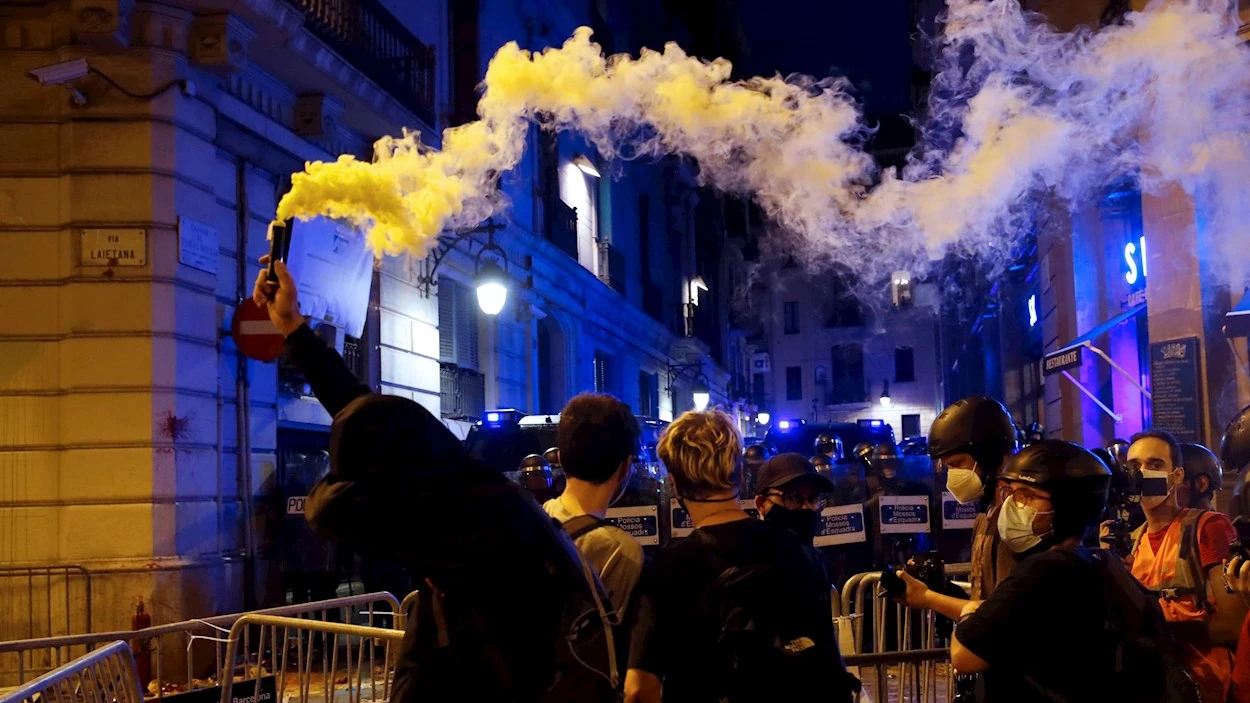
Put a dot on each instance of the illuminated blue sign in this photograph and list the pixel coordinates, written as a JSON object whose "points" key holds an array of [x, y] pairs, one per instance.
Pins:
{"points": [[1135, 258], [1033, 309]]}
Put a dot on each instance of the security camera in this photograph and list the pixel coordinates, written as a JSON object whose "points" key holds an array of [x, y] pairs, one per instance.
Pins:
{"points": [[60, 73]]}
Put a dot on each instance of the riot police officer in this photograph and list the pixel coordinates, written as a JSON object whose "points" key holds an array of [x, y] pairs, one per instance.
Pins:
{"points": [[753, 458], [972, 439], [1204, 475], [828, 445], [536, 477], [1034, 434]]}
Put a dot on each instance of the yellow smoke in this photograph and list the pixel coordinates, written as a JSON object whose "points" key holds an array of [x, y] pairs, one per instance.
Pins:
{"points": [[776, 140]]}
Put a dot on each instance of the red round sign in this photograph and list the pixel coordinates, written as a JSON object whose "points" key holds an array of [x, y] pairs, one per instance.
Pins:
{"points": [[254, 334]]}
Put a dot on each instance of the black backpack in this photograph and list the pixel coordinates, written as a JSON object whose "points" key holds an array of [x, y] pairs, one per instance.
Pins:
{"points": [[775, 633], [451, 636], [1148, 660]]}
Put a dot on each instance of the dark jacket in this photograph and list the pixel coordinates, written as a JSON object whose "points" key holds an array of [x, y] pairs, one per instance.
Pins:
{"points": [[401, 486]]}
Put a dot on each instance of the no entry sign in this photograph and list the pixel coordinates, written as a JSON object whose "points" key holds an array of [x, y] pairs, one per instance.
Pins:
{"points": [[254, 334]]}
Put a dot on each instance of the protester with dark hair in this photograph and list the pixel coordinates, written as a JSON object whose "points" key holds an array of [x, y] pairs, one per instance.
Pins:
{"points": [[1179, 555], [598, 437], [736, 611], [402, 486]]}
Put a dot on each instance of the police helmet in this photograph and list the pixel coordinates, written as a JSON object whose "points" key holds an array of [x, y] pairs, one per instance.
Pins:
{"points": [[1235, 446], [535, 473], [1076, 480], [552, 457], [862, 451], [978, 426], [824, 465], [886, 459], [1198, 462], [1119, 450], [829, 444], [756, 453]]}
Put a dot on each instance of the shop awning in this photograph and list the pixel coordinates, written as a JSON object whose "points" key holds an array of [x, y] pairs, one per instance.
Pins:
{"points": [[1104, 328], [1237, 321], [1085, 341]]}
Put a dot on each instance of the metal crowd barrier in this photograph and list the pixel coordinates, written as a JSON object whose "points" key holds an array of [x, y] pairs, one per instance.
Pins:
{"points": [[306, 658], [918, 677], [406, 609], [106, 675], [56, 600], [187, 655]]}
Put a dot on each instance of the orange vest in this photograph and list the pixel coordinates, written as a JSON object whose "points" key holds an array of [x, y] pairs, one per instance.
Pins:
{"points": [[1175, 573]]}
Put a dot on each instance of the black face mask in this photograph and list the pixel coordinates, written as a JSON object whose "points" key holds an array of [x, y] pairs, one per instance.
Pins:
{"points": [[803, 522]]}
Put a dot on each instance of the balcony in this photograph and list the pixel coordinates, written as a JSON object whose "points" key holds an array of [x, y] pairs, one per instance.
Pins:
{"points": [[367, 35], [463, 393], [612, 267], [562, 226]]}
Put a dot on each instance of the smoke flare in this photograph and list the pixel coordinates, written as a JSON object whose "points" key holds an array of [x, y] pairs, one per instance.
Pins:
{"points": [[1161, 96]]}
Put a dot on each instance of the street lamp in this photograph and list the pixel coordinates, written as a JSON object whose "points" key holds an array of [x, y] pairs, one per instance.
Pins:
{"points": [[583, 162], [490, 274], [762, 418], [885, 394], [702, 396], [492, 288]]}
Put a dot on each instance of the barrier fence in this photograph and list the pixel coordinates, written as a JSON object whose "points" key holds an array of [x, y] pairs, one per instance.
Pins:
{"points": [[106, 675], [44, 601], [897, 649], [325, 651], [310, 660], [184, 656]]}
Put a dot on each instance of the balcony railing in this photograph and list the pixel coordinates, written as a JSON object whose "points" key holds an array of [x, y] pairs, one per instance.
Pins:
{"points": [[351, 355], [371, 39], [463, 393], [612, 267], [562, 226]]}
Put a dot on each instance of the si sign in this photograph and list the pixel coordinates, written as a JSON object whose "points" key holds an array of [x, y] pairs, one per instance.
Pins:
{"points": [[1135, 260]]}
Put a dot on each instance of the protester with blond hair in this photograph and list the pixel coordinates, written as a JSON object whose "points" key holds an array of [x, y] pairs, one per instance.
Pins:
{"points": [[735, 612]]}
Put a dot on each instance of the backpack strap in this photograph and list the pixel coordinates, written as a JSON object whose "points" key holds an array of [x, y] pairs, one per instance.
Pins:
{"points": [[1190, 580], [582, 524]]}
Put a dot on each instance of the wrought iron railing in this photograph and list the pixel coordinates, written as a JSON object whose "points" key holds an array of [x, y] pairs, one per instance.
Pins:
{"points": [[562, 226], [368, 36], [612, 267], [352, 355], [463, 393]]}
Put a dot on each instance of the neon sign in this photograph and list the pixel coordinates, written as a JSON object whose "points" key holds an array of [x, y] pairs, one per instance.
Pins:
{"points": [[1032, 310], [1134, 254]]}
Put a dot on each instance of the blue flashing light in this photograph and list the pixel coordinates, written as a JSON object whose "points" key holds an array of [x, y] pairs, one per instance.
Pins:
{"points": [[783, 425], [492, 418], [870, 423]]}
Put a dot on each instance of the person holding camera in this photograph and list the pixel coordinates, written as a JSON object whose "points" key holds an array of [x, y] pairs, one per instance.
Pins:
{"points": [[972, 439], [1179, 555], [1030, 644]]}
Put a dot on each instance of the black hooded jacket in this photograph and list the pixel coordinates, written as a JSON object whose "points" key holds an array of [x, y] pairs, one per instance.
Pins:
{"points": [[401, 486]]}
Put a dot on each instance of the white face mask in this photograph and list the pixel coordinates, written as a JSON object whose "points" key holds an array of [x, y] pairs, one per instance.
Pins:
{"points": [[1015, 526], [964, 484], [1152, 502]]}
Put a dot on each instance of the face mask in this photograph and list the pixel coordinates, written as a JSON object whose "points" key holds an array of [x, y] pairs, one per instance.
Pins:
{"points": [[803, 522], [1153, 501], [964, 484], [1015, 526]]}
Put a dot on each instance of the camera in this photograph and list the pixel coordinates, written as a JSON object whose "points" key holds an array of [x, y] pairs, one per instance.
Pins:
{"points": [[1124, 502], [926, 568], [60, 73]]}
